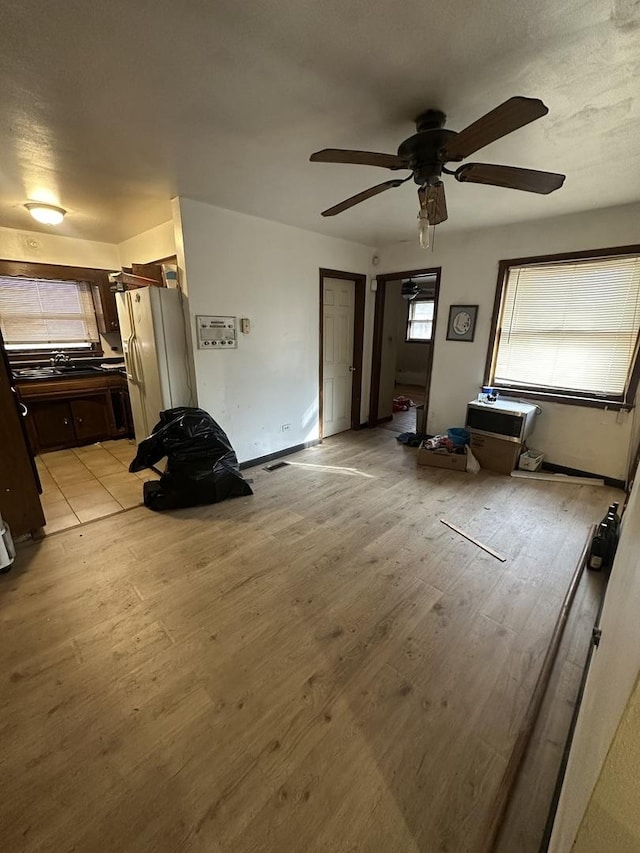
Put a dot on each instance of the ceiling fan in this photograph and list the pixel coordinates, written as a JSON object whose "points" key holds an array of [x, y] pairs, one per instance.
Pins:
{"points": [[427, 152]]}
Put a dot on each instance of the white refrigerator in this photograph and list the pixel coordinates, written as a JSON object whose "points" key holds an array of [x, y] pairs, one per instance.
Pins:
{"points": [[154, 342]]}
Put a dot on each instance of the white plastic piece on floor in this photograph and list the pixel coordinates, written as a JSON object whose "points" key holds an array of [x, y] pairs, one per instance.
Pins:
{"points": [[557, 478]]}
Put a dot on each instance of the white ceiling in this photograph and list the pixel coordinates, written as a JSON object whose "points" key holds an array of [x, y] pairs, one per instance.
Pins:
{"points": [[109, 109]]}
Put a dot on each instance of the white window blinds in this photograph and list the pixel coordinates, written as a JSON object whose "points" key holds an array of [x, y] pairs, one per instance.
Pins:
{"points": [[420, 320], [570, 326], [35, 313]]}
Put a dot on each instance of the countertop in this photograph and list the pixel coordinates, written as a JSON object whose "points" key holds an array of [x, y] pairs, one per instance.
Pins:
{"points": [[74, 369]]}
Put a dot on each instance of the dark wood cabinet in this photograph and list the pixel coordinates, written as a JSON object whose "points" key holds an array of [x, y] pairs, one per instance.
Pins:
{"points": [[90, 416], [51, 424], [70, 412], [104, 301], [19, 484]]}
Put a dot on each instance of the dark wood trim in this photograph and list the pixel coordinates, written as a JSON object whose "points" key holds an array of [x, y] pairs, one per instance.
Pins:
{"points": [[376, 355], [427, 387], [385, 420], [378, 329], [585, 254], [63, 272], [59, 271], [549, 396], [494, 333], [626, 401], [261, 460], [321, 356], [360, 291]]}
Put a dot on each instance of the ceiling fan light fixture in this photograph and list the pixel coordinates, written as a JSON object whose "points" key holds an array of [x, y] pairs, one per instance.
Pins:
{"points": [[47, 214], [423, 228]]}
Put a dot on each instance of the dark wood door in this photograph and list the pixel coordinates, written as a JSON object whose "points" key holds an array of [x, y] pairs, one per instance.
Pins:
{"points": [[91, 417], [19, 500], [52, 423]]}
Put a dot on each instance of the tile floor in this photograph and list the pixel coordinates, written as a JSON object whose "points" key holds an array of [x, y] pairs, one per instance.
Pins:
{"points": [[85, 483]]}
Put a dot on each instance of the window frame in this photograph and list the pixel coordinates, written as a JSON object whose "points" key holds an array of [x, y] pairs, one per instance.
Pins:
{"points": [[408, 321], [61, 273], [624, 401]]}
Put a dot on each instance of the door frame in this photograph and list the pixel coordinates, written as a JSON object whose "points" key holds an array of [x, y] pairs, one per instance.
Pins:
{"points": [[378, 330], [360, 291]]}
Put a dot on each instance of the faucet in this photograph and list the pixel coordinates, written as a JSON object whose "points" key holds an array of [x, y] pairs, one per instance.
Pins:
{"points": [[58, 357]]}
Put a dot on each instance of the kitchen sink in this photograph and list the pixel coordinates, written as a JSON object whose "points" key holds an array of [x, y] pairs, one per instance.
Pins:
{"points": [[58, 370]]}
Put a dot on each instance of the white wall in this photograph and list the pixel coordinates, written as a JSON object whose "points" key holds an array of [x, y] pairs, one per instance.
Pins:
{"points": [[612, 675], [411, 357], [151, 245], [233, 264], [36, 247], [589, 439], [612, 819]]}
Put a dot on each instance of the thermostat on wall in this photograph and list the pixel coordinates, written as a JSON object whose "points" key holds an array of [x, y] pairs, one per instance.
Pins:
{"points": [[216, 332]]}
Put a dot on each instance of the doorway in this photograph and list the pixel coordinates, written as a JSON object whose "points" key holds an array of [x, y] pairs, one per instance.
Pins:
{"points": [[342, 297], [404, 335]]}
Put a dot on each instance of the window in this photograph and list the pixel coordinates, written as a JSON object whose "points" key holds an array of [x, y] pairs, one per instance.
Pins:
{"points": [[45, 314], [420, 320], [569, 327]]}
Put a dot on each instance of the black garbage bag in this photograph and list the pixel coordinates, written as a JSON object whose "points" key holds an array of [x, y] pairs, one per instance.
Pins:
{"points": [[202, 467]]}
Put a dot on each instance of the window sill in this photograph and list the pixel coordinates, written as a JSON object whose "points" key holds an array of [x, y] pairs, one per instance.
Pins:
{"points": [[547, 397]]}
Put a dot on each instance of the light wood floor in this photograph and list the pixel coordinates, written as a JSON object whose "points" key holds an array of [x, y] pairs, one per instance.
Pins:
{"points": [[320, 667]]}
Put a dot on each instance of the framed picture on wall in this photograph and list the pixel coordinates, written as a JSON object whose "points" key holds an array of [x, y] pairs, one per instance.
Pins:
{"points": [[462, 322]]}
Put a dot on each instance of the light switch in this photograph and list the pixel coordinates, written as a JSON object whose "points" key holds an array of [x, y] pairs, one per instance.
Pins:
{"points": [[245, 325]]}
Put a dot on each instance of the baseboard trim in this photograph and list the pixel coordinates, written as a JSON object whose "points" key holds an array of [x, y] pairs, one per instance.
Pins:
{"points": [[384, 420], [262, 460], [576, 472]]}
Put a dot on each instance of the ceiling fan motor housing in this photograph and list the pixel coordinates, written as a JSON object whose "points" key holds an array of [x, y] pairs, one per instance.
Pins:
{"points": [[422, 152]]}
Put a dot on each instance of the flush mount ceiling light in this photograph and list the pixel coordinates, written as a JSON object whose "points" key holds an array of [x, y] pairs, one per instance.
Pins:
{"points": [[48, 214]]}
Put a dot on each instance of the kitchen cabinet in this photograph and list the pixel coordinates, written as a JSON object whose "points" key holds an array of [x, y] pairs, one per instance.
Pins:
{"points": [[50, 424], [19, 484], [69, 412], [104, 302]]}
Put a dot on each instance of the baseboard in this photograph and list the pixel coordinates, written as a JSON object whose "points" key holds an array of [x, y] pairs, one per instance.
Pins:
{"points": [[384, 420], [576, 472], [261, 460]]}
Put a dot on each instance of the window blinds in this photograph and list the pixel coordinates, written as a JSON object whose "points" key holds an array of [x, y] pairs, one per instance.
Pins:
{"points": [[420, 320], [34, 312], [570, 326]]}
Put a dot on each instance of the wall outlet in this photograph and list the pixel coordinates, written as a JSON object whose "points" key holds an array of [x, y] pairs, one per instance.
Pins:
{"points": [[285, 427]]}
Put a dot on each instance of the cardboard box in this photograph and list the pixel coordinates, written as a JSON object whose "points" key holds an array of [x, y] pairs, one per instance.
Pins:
{"points": [[495, 454], [451, 461], [530, 460]]}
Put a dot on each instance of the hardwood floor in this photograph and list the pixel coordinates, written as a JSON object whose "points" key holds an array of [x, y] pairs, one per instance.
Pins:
{"points": [[320, 667], [405, 421]]}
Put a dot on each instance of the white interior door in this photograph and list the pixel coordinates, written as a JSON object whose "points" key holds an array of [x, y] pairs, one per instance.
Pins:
{"points": [[337, 353]]}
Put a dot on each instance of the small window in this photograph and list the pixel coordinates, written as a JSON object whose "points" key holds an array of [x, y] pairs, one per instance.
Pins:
{"points": [[569, 328], [45, 314], [420, 320]]}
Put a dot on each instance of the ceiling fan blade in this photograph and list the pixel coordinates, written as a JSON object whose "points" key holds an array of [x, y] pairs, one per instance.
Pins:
{"points": [[514, 113], [363, 196], [432, 198], [529, 180], [360, 158]]}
